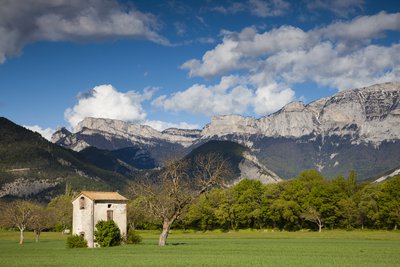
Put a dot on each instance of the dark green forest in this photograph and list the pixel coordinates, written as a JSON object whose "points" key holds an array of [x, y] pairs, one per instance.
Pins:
{"points": [[306, 202]]}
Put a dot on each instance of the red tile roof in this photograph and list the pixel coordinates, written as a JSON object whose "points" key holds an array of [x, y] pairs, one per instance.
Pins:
{"points": [[93, 195]]}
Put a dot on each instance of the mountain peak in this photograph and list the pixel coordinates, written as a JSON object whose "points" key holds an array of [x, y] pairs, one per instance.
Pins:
{"points": [[295, 106]]}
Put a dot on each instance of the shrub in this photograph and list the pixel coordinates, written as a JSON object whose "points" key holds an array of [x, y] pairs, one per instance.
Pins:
{"points": [[76, 241], [133, 237], [107, 234]]}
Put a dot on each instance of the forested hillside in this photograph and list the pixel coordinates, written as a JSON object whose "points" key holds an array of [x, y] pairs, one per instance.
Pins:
{"points": [[30, 166]]}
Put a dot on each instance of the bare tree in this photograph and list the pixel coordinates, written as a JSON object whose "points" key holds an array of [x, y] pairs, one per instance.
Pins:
{"points": [[18, 214], [42, 218], [312, 215], [178, 184]]}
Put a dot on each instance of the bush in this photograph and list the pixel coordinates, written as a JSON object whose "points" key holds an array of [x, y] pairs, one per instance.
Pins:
{"points": [[76, 241], [133, 237], [107, 234]]}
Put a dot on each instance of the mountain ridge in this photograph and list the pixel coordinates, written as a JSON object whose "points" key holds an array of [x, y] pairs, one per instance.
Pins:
{"points": [[364, 119]]}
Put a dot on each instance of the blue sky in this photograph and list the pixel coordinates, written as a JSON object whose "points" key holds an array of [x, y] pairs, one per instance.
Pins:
{"points": [[178, 63]]}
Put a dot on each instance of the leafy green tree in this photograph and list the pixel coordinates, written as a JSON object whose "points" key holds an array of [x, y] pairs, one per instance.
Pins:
{"points": [[202, 213], [389, 202], [312, 215], [324, 198], [226, 213], [249, 205], [351, 183], [240, 206], [310, 178], [285, 214], [367, 199], [272, 192], [107, 233], [316, 195], [139, 216], [61, 207], [348, 212]]}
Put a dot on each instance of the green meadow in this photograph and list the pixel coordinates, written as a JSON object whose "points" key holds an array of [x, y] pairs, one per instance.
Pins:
{"points": [[242, 248]]}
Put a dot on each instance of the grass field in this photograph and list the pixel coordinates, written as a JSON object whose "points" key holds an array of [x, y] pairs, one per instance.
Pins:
{"points": [[243, 248]]}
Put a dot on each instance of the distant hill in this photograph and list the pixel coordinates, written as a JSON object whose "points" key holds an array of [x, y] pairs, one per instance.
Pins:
{"points": [[30, 166], [244, 164], [124, 161]]}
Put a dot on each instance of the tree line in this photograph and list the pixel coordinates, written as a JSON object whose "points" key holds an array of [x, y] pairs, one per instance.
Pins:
{"points": [[310, 201], [194, 195]]}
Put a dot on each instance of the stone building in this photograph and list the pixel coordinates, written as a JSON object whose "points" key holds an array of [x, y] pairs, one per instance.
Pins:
{"points": [[90, 207]]}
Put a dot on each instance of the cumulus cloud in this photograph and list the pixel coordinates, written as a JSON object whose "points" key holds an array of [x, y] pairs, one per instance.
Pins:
{"points": [[229, 96], [105, 101], [27, 21], [341, 55], [44, 132], [232, 95], [361, 29], [271, 97], [215, 61]]}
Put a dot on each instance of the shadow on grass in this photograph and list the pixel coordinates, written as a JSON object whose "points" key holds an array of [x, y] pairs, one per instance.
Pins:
{"points": [[178, 244]]}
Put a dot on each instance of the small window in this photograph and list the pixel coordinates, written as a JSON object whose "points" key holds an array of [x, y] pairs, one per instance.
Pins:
{"points": [[109, 205], [109, 215], [82, 203], [82, 234]]}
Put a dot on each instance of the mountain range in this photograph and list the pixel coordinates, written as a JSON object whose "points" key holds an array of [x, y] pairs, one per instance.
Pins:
{"points": [[32, 167], [352, 130]]}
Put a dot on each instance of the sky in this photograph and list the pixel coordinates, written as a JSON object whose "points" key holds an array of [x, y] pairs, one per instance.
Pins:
{"points": [[179, 63]]}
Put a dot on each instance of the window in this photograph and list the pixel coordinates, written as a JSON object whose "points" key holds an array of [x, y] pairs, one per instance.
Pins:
{"points": [[82, 203], [109, 205], [109, 215]]}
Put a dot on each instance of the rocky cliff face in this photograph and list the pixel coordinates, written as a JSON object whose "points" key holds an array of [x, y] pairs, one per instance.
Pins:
{"points": [[368, 115], [355, 129]]}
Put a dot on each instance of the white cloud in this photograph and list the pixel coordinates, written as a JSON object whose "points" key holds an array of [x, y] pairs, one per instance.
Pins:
{"points": [[45, 132], [229, 96], [259, 8], [234, 8], [322, 64], [270, 8], [27, 21], [271, 97], [340, 55], [232, 95], [104, 101], [215, 61], [339, 7], [162, 125], [361, 29]]}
